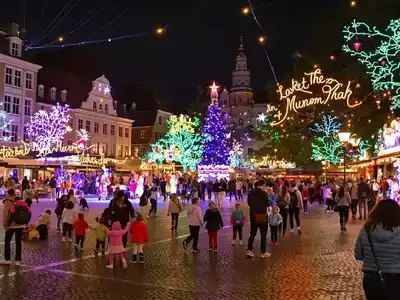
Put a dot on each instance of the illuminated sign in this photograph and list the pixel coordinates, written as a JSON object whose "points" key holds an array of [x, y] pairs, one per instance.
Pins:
{"points": [[331, 89], [8, 152], [270, 163], [151, 167], [91, 160]]}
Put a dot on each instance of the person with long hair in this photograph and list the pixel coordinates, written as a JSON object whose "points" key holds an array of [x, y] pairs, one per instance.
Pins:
{"points": [[343, 203], [283, 201], [377, 246]]}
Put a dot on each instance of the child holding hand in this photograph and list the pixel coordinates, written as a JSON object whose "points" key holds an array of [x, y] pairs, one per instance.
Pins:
{"points": [[115, 245], [101, 235], [139, 236]]}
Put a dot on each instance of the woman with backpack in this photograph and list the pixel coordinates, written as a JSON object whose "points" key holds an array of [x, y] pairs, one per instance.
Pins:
{"points": [[283, 201]]}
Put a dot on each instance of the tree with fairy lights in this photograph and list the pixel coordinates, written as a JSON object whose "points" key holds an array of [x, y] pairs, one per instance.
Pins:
{"points": [[382, 61], [47, 128], [215, 134], [182, 143], [4, 125]]}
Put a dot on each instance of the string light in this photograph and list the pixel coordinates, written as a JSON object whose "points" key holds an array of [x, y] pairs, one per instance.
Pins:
{"points": [[261, 39], [160, 31], [353, 4], [60, 39], [245, 10]]}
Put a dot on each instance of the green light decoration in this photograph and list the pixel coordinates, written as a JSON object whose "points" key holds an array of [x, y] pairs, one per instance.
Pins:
{"points": [[182, 143], [264, 128], [382, 62], [326, 145]]}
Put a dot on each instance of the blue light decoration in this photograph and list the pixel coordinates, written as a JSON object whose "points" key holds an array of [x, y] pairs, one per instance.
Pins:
{"points": [[383, 61], [216, 140]]}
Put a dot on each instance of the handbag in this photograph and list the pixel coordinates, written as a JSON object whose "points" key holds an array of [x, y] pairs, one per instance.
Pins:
{"points": [[378, 267]]}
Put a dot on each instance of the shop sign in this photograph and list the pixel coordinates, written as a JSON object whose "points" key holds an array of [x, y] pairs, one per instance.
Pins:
{"points": [[300, 96], [152, 167], [273, 164], [100, 161]]}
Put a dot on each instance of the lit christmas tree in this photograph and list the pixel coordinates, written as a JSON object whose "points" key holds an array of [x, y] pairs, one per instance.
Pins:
{"points": [[216, 138], [47, 128], [182, 143], [382, 60]]}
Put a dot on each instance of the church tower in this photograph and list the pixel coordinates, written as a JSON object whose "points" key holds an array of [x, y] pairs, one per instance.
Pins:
{"points": [[241, 93]]}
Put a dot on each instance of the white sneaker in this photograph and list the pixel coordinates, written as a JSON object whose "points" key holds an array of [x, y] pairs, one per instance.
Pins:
{"points": [[233, 242], [249, 253], [266, 254], [63, 239], [17, 263], [291, 230], [125, 265], [240, 242], [5, 262], [110, 266]]}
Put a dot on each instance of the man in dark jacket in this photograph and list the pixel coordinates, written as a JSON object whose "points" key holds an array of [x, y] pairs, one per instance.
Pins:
{"points": [[232, 189], [25, 184], [258, 202], [121, 210], [363, 194]]}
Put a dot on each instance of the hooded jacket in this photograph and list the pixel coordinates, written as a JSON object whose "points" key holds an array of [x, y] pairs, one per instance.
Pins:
{"points": [[80, 225], [116, 234], [213, 219], [386, 244], [139, 234]]}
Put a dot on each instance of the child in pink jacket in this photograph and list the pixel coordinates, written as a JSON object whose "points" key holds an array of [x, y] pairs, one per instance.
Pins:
{"points": [[115, 246]]}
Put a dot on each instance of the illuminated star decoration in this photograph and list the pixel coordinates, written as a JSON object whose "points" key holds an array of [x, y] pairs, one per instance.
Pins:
{"points": [[107, 90], [47, 128], [382, 62], [262, 117]]}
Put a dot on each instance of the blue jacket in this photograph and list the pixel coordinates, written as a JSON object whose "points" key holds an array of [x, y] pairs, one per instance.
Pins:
{"points": [[387, 248], [275, 219]]}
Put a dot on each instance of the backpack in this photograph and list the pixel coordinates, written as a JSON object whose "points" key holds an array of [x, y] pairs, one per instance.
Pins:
{"points": [[294, 202], [19, 214]]}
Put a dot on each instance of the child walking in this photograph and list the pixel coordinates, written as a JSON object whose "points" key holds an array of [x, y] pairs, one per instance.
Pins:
{"points": [[213, 221], [274, 220], [237, 221], [101, 234], [115, 245], [80, 226], [195, 222], [153, 200], [68, 218], [139, 236], [174, 208]]}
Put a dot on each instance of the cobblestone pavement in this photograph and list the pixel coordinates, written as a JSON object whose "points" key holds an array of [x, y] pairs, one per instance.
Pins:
{"points": [[317, 265]]}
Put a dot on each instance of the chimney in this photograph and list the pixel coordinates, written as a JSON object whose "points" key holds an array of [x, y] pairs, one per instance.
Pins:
{"points": [[14, 29], [133, 106], [124, 106]]}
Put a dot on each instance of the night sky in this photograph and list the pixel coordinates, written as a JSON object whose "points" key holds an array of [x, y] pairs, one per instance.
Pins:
{"points": [[200, 44]]}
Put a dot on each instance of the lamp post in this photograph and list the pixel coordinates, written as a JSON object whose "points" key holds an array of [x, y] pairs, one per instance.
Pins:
{"points": [[344, 137]]}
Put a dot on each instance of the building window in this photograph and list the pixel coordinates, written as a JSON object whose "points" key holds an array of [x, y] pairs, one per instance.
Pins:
{"points": [[80, 124], [94, 106], [159, 120], [120, 131], [106, 108], [112, 130], [14, 133], [141, 151], [240, 121], [41, 91], [69, 142], [28, 81], [9, 75], [126, 151], [250, 151], [95, 148], [28, 107], [119, 150], [71, 123], [100, 107], [14, 49], [126, 132], [26, 136], [7, 103], [88, 126], [53, 93], [64, 96], [96, 127], [136, 151], [105, 129], [6, 133], [111, 149], [143, 134], [225, 102], [17, 78], [15, 105]]}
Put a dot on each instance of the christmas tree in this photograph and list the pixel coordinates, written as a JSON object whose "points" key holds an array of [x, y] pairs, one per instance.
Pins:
{"points": [[215, 134]]}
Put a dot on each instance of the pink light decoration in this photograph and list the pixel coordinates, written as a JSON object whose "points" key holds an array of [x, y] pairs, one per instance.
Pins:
{"points": [[378, 103], [357, 46], [332, 57], [383, 62]]}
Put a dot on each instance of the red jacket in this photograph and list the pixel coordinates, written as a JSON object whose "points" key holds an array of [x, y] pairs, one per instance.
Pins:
{"points": [[80, 226], [139, 233]]}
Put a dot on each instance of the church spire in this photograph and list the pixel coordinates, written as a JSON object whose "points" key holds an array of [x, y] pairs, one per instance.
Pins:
{"points": [[241, 48]]}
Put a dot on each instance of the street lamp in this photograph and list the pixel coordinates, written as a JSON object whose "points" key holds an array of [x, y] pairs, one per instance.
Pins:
{"points": [[344, 137]]}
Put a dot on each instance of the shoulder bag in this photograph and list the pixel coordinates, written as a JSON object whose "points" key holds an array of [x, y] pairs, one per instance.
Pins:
{"points": [[378, 267]]}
